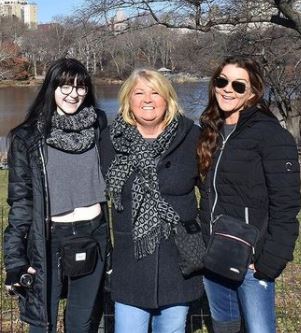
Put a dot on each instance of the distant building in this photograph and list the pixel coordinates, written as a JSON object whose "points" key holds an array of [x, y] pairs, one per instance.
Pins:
{"points": [[118, 22], [24, 11]]}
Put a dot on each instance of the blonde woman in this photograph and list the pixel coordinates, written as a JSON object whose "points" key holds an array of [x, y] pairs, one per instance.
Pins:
{"points": [[151, 171]]}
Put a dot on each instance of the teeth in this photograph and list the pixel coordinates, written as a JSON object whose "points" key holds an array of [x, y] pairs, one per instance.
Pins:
{"points": [[228, 97], [147, 107]]}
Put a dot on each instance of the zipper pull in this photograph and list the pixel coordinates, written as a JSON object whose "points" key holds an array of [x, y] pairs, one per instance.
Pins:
{"points": [[213, 221], [218, 216]]}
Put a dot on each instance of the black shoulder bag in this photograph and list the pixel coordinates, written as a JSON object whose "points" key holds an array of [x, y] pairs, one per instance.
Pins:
{"points": [[190, 244], [231, 246]]}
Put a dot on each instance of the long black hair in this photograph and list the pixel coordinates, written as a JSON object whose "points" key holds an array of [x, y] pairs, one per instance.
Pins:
{"points": [[62, 71]]}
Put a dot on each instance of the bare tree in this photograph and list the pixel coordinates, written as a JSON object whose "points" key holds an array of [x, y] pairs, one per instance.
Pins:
{"points": [[197, 14], [280, 57], [8, 52]]}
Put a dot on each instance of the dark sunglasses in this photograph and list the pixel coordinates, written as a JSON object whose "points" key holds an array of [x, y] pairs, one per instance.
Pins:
{"points": [[221, 82]]}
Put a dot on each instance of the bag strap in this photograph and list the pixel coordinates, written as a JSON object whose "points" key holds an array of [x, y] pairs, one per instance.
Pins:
{"points": [[110, 220], [198, 197]]}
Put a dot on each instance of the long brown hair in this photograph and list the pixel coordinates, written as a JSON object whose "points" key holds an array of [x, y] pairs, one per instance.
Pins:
{"points": [[212, 118]]}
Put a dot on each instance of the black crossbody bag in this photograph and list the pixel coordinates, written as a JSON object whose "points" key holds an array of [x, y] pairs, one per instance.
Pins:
{"points": [[232, 243], [231, 247], [79, 256]]}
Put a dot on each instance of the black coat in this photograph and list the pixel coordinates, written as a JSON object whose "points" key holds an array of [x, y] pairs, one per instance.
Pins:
{"points": [[156, 280], [258, 175], [25, 236]]}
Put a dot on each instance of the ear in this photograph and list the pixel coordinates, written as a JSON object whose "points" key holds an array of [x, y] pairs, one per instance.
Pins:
{"points": [[251, 96]]}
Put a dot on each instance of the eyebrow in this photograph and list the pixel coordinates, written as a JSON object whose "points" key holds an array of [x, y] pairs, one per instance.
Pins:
{"points": [[221, 74]]}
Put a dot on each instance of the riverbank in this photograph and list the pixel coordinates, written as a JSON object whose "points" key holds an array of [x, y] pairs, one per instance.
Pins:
{"points": [[174, 77], [20, 83]]}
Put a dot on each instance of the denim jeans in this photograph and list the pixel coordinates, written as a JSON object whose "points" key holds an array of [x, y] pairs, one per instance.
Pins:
{"points": [[168, 319], [253, 300], [82, 291]]}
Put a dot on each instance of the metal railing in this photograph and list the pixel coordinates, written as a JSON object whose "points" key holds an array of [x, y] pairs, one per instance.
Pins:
{"points": [[288, 301]]}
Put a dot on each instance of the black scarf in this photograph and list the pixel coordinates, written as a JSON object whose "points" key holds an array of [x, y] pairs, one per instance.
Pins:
{"points": [[152, 216], [73, 133]]}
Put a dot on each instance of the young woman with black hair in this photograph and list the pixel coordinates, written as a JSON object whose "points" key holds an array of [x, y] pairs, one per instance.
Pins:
{"points": [[56, 189]]}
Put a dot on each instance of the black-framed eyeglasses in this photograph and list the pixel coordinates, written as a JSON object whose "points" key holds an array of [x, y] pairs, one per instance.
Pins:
{"points": [[67, 89], [222, 82]]}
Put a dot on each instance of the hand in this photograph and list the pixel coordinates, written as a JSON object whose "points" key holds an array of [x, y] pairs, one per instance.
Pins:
{"points": [[31, 270], [9, 288], [252, 267]]}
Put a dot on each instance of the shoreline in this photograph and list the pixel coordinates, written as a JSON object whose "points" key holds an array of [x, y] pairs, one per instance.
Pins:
{"points": [[39, 81], [175, 78]]}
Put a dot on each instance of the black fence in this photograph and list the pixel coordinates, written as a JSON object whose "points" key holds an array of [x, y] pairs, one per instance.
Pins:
{"points": [[288, 301]]}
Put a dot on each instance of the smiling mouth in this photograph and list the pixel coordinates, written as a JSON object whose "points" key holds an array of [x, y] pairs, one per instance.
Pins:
{"points": [[228, 98], [148, 108], [71, 102]]}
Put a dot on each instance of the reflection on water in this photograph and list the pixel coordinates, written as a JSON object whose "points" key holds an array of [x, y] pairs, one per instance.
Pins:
{"points": [[14, 101]]}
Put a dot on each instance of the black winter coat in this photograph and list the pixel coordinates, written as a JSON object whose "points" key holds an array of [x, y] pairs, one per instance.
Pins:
{"points": [[29, 216], [156, 280], [257, 177]]}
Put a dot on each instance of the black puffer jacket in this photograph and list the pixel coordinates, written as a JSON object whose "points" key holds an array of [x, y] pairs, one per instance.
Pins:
{"points": [[25, 236], [256, 176], [156, 280]]}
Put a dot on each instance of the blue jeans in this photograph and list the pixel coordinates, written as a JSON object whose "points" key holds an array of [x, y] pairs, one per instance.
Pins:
{"points": [[253, 300], [168, 319], [81, 315]]}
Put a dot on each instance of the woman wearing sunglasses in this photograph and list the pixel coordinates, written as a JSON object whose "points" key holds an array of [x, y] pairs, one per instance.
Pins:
{"points": [[55, 193], [250, 171]]}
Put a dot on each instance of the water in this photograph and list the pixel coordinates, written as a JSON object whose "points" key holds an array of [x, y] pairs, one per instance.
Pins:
{"points": [[14, 101]]}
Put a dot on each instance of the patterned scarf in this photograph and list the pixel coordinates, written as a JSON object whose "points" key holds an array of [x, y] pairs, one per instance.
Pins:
{"points": [[73, 133], [152, 216]]}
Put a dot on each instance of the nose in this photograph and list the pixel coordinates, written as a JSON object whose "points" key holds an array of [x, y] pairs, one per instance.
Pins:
{"points": [[228, 87], [147, 98], [73, 93]]}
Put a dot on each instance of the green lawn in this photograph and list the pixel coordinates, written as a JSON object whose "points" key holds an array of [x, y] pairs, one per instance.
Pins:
{"points": [[288, 285], [3, 187]]}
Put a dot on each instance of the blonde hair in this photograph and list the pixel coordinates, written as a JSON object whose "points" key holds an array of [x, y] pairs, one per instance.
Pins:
{"points": [[159, 83]]}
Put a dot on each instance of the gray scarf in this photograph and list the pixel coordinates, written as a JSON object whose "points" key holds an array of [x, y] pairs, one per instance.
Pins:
{"points": [[152, 216], [73, 133]]}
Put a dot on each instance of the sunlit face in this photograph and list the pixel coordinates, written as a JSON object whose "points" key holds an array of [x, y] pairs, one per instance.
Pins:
{"points": [[229, 100], [69, 103], [147, 105]]}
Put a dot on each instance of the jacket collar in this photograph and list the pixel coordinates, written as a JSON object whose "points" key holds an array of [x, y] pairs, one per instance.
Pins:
{"points": [[184, 126]]}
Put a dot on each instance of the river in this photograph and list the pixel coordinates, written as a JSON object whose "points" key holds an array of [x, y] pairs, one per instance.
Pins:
{"points": [[14, 101]]}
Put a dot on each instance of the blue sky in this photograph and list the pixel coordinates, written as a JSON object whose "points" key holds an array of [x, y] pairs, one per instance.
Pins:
{"points": [[50, 8]]}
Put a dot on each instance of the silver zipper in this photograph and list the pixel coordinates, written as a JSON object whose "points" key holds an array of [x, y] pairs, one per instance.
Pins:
{"points": [[247, 215], [214, 178], [46, 230]]}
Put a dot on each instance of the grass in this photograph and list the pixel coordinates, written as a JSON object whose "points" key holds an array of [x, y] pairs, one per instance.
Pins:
{"points": [[3, 187], [288, 288]]}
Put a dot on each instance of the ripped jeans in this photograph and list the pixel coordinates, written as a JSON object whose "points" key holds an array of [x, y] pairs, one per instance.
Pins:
{"points": [[253, 300]]}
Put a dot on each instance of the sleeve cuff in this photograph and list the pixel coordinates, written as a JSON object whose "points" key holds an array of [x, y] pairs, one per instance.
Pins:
{"points": [[261, 276], [13, 275]]}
